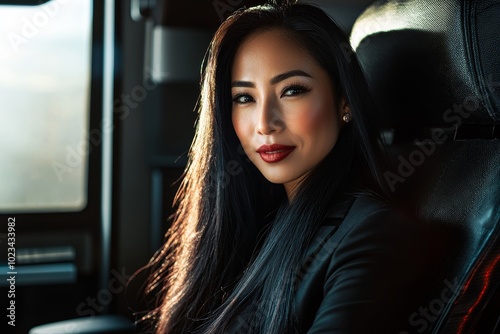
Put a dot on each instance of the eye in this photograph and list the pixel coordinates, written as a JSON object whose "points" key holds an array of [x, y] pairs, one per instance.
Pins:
{"points": [[242, 98], [294, 90]]}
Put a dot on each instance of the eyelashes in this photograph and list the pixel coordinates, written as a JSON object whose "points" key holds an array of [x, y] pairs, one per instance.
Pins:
{"points": [[288, 91], [242, 98], [294, 89]]}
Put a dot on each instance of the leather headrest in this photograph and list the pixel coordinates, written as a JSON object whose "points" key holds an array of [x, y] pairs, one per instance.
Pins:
{"points": [[432, 63]]}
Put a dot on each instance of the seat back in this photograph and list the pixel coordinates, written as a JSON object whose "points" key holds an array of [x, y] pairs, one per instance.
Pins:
{"points": [[433, 68]]}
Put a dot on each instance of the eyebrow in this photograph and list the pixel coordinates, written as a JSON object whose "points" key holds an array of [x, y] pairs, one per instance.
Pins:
{"points": [[274, 80]]}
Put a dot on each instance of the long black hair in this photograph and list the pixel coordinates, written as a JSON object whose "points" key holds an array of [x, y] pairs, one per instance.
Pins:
{"points": [[231, 258]]}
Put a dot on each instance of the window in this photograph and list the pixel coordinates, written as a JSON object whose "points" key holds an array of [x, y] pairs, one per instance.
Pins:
{"points": [[45, 66]]}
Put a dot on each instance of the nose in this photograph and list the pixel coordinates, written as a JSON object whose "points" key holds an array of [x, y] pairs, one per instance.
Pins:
{"points": [[269, 118]]}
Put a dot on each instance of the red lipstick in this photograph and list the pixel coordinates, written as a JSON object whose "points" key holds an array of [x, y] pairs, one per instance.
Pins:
{"points": [[275, 152]]}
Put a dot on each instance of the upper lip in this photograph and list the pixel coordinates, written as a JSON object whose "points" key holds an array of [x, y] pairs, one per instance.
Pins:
{"points": [[274, 148]]}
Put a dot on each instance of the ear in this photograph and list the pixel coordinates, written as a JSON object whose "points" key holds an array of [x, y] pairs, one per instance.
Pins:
{"points": [[344, 105], [345, 115]]}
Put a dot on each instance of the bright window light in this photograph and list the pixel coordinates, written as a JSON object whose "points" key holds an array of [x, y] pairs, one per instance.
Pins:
{"points": [[45, 72]]}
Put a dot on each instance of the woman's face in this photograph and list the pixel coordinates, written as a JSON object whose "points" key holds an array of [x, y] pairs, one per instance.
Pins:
{"points": [[284, 111]]}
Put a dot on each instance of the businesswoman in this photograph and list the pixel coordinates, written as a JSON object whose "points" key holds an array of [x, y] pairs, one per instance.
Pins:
{"points": [[280, 224]]}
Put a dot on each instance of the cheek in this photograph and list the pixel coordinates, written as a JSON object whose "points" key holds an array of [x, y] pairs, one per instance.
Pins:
{"points": [[240, 126], [315, 118], [243, 130]]}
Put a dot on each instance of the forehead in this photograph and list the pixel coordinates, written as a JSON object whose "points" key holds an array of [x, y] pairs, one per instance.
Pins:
{"points": [[270, 52]]}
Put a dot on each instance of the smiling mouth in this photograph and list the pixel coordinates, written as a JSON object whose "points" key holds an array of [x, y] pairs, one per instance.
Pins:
{"points": [[274, 153]]}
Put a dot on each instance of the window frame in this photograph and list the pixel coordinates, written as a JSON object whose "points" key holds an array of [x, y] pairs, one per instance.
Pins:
{"points": [[90, 218]]}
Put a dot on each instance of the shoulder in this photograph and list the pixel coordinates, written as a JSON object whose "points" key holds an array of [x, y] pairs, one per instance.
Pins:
{"points": [[360, 221], [357, 228], [356, 208], [354, 216], [368, 265], [373, 231], [364, 214]]}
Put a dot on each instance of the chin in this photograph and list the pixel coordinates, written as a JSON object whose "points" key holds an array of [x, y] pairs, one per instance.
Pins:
{"points": [[279, 179], [273, 178]]}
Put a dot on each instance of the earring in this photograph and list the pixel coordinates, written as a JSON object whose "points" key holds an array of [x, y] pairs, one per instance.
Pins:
{"points": [[346, 117]]}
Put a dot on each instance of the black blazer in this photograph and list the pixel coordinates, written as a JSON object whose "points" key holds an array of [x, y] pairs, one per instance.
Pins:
{"points": [[366, 272]]}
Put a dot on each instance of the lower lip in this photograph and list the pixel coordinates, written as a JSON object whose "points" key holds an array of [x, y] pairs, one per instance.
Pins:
{"points": [[276, 156]]}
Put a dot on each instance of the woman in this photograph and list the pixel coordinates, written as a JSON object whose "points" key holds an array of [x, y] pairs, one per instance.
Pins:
{"points": [[278, 228]]}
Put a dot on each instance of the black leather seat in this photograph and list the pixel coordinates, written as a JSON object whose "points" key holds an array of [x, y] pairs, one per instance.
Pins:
{"points": [[433, 68]]}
